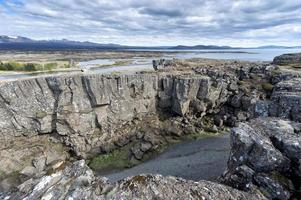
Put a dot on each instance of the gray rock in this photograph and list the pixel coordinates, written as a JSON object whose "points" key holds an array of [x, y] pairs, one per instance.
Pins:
{"points": [[137, 152], [29, 171], [236, 101], [78, 182], [286, 95], [39, 163], [161, 63], [271, 188], [265, 146], [240, 177], [145, 146], [285, 59]]}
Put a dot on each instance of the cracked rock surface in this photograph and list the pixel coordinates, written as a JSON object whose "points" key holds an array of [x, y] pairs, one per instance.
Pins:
{"points": [[265, 153], [78, 182]]}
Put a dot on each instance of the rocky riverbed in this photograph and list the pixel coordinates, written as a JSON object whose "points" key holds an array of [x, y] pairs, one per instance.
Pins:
{"points": [[49, 123]]}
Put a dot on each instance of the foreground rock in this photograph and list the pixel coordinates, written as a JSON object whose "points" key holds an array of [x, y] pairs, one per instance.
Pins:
{"points": [[266, 153], [78, 182]]}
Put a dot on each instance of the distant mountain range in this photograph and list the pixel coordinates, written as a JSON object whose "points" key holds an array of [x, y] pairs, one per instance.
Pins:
{"points": [[23, 43], [201, 47], [278, 47]]}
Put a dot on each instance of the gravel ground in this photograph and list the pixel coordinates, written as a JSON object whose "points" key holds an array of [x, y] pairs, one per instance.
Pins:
{"points": [[203, 159]]}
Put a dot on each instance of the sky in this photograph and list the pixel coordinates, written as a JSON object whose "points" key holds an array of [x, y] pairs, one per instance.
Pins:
{"points": [[241, 23]]}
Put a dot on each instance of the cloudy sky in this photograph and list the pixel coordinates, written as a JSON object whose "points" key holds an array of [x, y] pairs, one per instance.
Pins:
{"points": [[156, 22]]}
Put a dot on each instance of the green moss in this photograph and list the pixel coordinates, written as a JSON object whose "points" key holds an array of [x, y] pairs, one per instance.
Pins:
{"points": [[267, 87], [2, 173], [41, 114], [255, 77], [240, 82], [116, 159], [120, 158]]}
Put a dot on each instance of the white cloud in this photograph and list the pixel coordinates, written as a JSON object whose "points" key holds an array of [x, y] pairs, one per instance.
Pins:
{"points": [[161, 22]]}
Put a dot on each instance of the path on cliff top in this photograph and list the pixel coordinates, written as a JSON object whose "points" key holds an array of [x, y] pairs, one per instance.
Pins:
{"points": [[203, 159]]}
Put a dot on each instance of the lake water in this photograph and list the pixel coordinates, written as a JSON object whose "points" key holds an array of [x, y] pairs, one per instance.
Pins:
{"points": [[236, 54]]}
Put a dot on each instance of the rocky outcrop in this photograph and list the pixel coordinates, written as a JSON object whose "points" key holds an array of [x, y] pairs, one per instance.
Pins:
{"points": [[282, 101], [161, 63], [286, 99], [89, 114], [78, 182], [265, 153], [286, 59]]}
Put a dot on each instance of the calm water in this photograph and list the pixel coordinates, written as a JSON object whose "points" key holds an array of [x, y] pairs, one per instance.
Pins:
{"points": [[236, 54], [143, 63]]}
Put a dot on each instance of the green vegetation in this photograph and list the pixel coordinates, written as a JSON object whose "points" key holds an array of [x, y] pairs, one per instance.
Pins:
{"points": [[2, 173], [116, 159], [267, 87], [30, 67], [15, 66], [50, 66]]}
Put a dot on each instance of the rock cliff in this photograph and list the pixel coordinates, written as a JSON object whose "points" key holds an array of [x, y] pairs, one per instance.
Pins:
{"points": [[84, 114]]}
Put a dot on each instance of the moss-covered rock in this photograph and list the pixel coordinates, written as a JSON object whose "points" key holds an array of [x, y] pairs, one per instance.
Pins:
{"points": [[267, 87]]}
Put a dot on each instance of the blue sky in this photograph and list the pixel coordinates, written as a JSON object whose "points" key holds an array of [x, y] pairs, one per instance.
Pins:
{"points": [[161, 22]]}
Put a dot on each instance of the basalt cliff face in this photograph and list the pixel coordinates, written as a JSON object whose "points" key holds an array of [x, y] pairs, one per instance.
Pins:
{"points": [[50, 120], [90, 114]]}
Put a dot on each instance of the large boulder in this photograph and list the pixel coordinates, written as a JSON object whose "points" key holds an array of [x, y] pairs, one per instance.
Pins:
{"points": [[286, 59], [265, 153]]}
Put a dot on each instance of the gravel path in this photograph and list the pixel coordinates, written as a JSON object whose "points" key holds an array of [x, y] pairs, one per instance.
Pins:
{"points": [[195, 160]]}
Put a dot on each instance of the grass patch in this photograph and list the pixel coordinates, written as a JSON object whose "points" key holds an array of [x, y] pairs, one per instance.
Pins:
{"points": [[50, 66], [118, 158], [30, 67]]}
